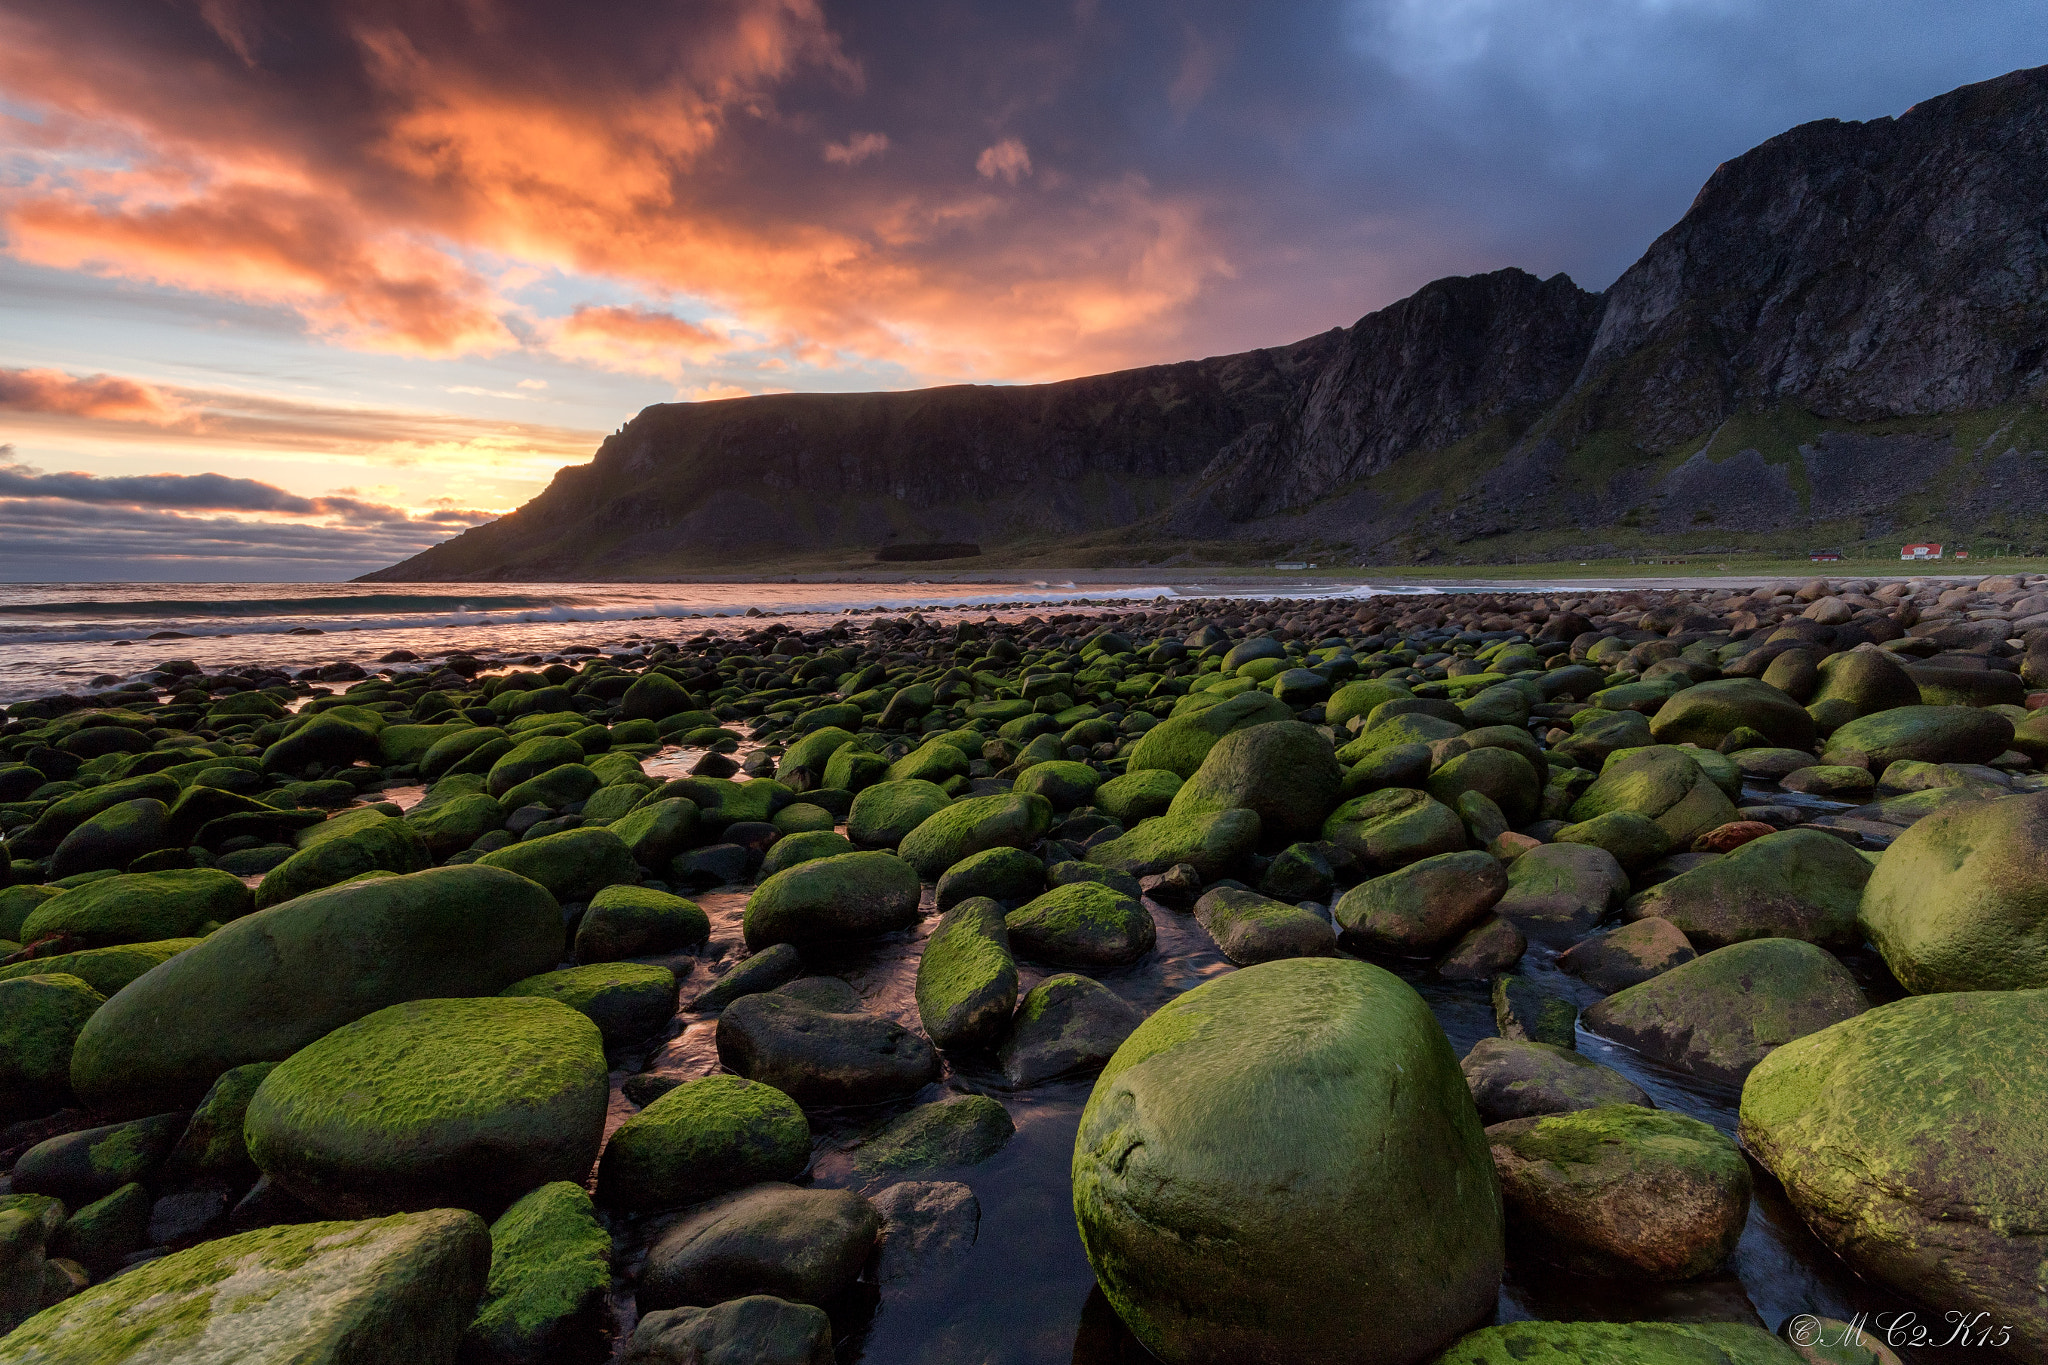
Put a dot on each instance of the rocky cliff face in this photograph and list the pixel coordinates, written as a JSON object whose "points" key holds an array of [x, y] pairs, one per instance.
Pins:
{"points": [[1846, 302]]}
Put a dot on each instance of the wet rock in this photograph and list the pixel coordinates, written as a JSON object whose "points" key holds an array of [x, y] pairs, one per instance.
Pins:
{"points": [[1515, 1078], [703, 1138], [626, 1000], [1064, 1025], [1636, 841], [1931, 734], [961, 1130], [1662, 783], [966, 978], [574, 865], [1009, 875], [1795, 883], [1704, 714], [1250, 928], [884, 812], [144, 907], [1503, 776], [106, 1232], [1388, 829], [81, 1167], [1621, 1191], [1284, 771], [550, 1276], [1493, 947], [637, 921], [1016, 820], [41, 1016], [1138, 795], [1896, 1134], [1616, 1343], [758, 1329], [1301, 872], [1628, 954], [1729, 837], [1960, 901], [186, 1216], [1719, 1015], [1524, 1011], [1559, 891], [1214, 844], [1082, 924], [435, 1103], [830, 900], [1219, 1149], [822, 1058], [806, 1246], [926, 1225], [1423, 905], [764, 971]]}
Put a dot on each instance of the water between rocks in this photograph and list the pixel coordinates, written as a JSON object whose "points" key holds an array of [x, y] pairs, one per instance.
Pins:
{"points": [[1024, 1295]]}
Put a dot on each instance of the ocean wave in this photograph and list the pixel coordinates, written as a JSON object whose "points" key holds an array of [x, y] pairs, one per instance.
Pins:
{"points": [[173, 608]]}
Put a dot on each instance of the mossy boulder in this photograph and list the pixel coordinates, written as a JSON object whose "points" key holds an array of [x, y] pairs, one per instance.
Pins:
{"points": [[805, 847], [1904, 1138], [140, 907], [1249, 927], [704, 1138], [381, 844], [964, 828], [1627, 955], [1283, 771], [626, 1000], [1138, 795], [1220, 1148], [1661, 783], [804, 1246], [435, 1103], [1359, 699], [83, 1166], [1180, 744], [759, 1329], [822, 1057], [1064, 1026], [1930, 734], [549, 1284], [933, 761], [1621, 1192], [654, 696], [450, 826], [266, 985], [451, 749], [1399, 731], [1391, 828], [104, 1233], [1718, 1015], [1214, 843], [853, 768], [1707, 713], [1796, 883], [573, 865], [1557, 892], [1635, 841], [883, 812], [960, 1130], [400, 1288], [68, 812], [1621, 1343], [654, 832], [1502, 775], [966, 977], [1062, 782], [212, 1147], [326, 740], [638, 921], [1423, 906], [40, 1019], [1960, 901], [113, 838], [558, 788], [1858, 683], [1516, 1078], [1082, 924], [530, 758], [1005, 874], [803, 763], [830, 900], [106, 970]]}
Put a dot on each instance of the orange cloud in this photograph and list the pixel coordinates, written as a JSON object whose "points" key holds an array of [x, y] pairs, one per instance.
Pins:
{"points": [[101, 396], [856, 149], [1007, 160], [636, 340]]}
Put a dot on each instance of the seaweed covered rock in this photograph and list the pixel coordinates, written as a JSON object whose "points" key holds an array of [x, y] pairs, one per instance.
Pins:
{"points": [[113, 838], [830, 900], [1707, 713], [1621, 1192], [272, 982], [821, 1057], [399, 1288], [960, 1130], [140, 907], [379, 844], [1213, 844], [549, 1281], [573, 865], [1284, 771], [1930, 734], [883, 812], [966, 977], [704, 1138], [1514, 1078], [1960, 901], [435, 1103], [638, 921], [1796, 883], [1221, 1148], [964, 828], [1394, 827], [1422, 906], [1720, 1014], [1004, 874], [1180, 744], [1662, 783], [1901, 1137], [626, 1000], [40, 1020], [1250, 928], [1138, 795]]}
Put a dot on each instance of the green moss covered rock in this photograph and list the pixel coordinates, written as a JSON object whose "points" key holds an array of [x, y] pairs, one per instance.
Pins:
{"points": [[705, 1137], [41, 1017], [1708, 712], [884, 812], [1221, 1148], [106, 970], [964, 828], [637, 921], [573, 865], [1082, 924], [401, 1288], [1394, 827], [550, 1278], [966, 977], [1960, 901], [1138, 795], [1250, 928], [1064, 783], [272, 982], [626, 1000], [1797, 883], [1930, 734], [382, 844], [1214, 843], [140, 907], [1180, 744], [1620, 1343], [212, 1147], [1283, 771], [1661, 783], [851, 896], [458, 1103], [1422, 906], [960, 1130], [1905, 1139]]}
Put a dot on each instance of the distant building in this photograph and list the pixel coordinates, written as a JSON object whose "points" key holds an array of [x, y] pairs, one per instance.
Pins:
{"points": [[1824, 556], [1295, 564], [1962, 554], [1921, 552]]}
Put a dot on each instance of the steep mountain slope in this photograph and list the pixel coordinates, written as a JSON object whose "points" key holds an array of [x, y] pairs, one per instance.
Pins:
{"points": [[1845, 338]]}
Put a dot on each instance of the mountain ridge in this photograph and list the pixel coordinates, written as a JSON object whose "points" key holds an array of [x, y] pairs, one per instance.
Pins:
{"points": [[1845, 337]]}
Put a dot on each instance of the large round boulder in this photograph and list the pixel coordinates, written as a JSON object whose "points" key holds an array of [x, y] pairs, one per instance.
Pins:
{"points": [[1504, 776], [1180, 744], [1213, 844], [378, 844], [964, 828], [434, 1104], [884, 812], [1931, 734], [1960, 901], [821, 1056], [1422, 906], [803, 1246], [706, 1137], [1295, 1139], [1283, 770], [1663, 783], [573, 865], [272, 982], [1796, 883], [1707, 713], [1858, 683], [1908, 1140], [1393, 827], [831, 900], [966, 977], [140, 907], [114, 838], [40, 1018]]}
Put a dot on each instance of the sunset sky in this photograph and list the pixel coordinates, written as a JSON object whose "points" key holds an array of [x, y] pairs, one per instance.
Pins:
{"points": [[290, 291]]}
